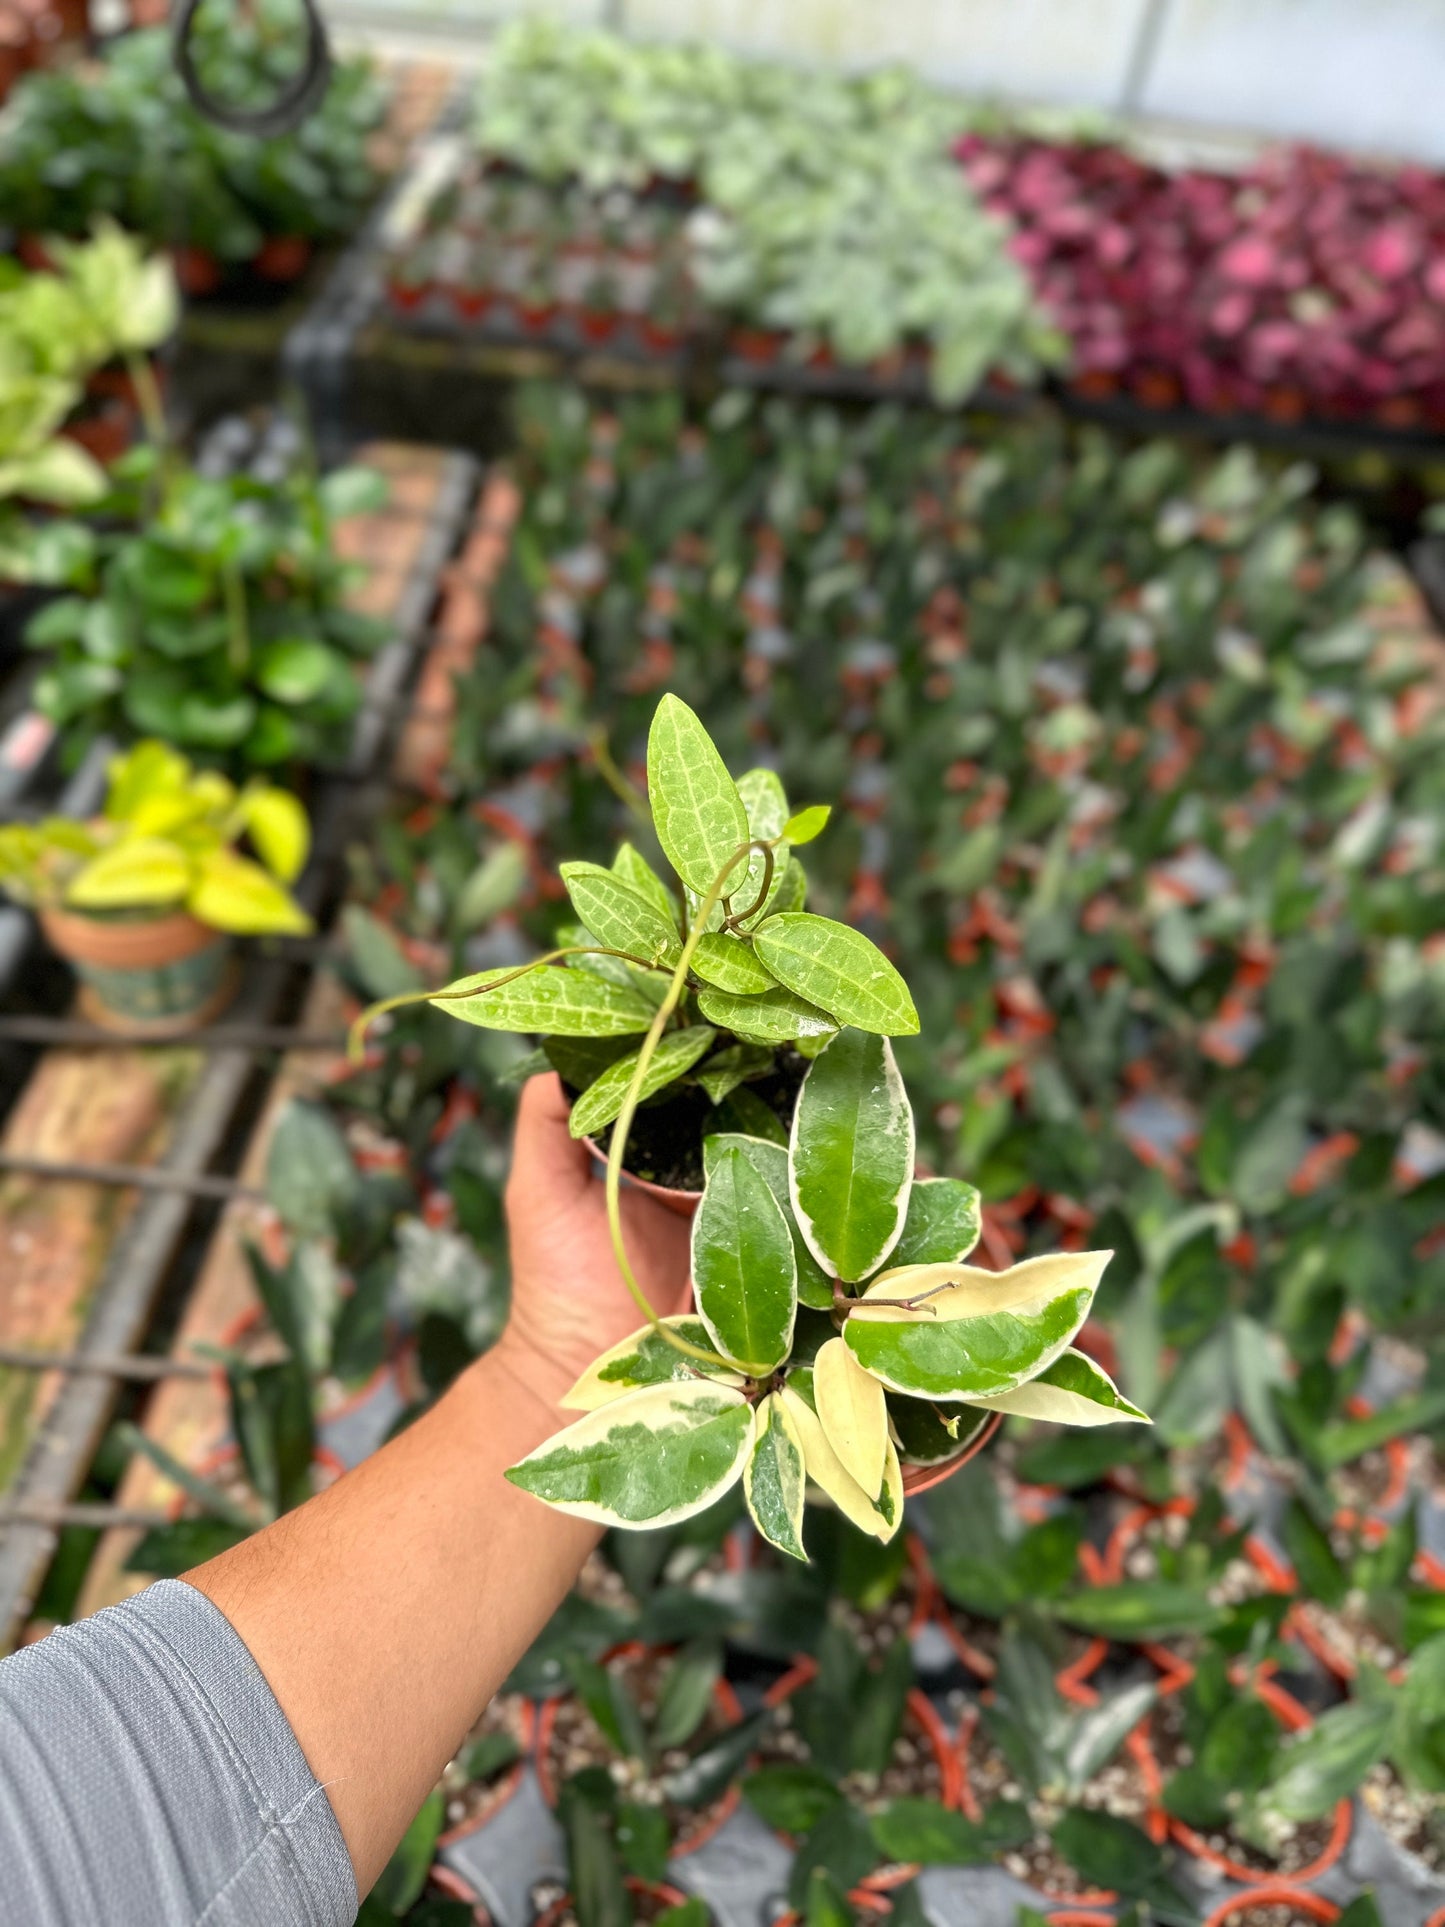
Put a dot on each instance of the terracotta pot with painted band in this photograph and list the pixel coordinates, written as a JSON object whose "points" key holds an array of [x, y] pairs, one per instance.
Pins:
{"points": [[145, 976]]}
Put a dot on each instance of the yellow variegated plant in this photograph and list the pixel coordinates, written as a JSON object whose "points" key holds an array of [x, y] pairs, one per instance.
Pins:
{"points": [[167, 841], [839, 1337]]}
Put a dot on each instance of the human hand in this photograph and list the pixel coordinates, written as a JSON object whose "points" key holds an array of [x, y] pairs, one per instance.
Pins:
{"points": [[569, 1302]]}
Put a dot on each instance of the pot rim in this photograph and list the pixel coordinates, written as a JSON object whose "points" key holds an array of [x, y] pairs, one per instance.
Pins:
{"points": [[1275, 1893], [922, 1478]]}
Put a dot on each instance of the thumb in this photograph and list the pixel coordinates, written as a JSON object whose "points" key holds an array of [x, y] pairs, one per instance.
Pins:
{"points": [[547, 1162]]}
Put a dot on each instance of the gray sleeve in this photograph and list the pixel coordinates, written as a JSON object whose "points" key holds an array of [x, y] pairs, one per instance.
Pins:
{"points": [[148, 1778]]}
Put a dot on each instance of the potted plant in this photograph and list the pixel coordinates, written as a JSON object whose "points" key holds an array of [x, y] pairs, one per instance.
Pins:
{"points": [[839, 1337], [144, 899]]}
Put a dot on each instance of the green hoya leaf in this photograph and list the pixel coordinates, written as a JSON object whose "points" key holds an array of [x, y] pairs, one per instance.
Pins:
{"points": [[744, 1274], [1141, 1609], [774, 1479], [638, 874], [815, 1288], [807, 824], [727, 1069], [767, 808], [942, 1223], [775, 1017], [696, 810], [792, 1799], [646, 1358], [653, 1458], [975, 1333], [549, 999], [686, 1693], [618, 916], [730, 964], [1326, 1764], [835, 967], [1071, 1391], [851, 1156], [925, 1833], [677, 1051]]}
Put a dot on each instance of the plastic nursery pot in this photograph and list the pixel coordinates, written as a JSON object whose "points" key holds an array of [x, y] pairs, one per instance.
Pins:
{"points": [[755, 344], [684, 1203], [1248, 1910], [727, 1704], [145, 976], [197, 270], [922, 1478], [520, 1715], [653, 1897], [283, 257], [449, 1884], [1291, 1715]]}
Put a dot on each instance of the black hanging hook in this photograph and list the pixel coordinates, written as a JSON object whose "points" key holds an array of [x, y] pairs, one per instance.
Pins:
{"points": [[298, 97]]}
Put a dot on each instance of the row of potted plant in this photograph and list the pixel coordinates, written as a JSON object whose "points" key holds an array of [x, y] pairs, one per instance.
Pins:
{"points": [[1307, 285]]}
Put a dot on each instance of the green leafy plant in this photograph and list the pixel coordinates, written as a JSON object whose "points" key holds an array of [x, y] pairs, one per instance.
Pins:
{"points": [[167, 841], [219, 623], [122, 139], [839, 1336]]}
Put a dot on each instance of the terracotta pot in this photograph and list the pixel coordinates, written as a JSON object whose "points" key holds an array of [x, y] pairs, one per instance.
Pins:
{"points": [[149, 977], [283, 257], [450, 1885], [652, 1890], [197, 270], [1274, 1893]]}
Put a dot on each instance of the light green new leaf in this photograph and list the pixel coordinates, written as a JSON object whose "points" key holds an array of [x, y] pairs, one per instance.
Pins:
{"points": [[744, 1276], [851, 1155], [975, 1334], [696, 810], [815, 1287], [774, 1479], [140, 872], [550, 999], [733, 1066], [653, 1458], [1071, 1391], [731, 965], [836, 967], [646, 1358], [638, 874], [942, 1224], [880, 1518], [853, 1411], [677, 1051], [808, 823], [775, 1017], [767, 808], [620, 917], [232, 893]]}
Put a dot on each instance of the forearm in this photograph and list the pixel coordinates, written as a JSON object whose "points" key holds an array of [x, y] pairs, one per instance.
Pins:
{"points": [[387, 1611]]}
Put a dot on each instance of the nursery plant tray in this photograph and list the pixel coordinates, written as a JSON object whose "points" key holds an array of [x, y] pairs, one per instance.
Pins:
{"points": [[128, 1262]]}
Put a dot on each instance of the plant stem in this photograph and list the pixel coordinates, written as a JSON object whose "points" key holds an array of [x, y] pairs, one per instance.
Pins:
{"points": [[625, 1116], [238, 646], [614, 778], [148, 400]]}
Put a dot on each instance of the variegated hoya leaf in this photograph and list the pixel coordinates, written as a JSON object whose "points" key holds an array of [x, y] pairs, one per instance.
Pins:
{"points": [[942, 1224], [1071, 1391], [744, 1275], [837, 968], [731, 965], [775, 1017], [653, 1458], [646, 1358], [639, 875], [677, 1051], [851, 1155], [774, 1479], [880, 1518], [550, 999], [620, 917], [815, 1288], [971, 1334], [852, 1411], [696, 810]]}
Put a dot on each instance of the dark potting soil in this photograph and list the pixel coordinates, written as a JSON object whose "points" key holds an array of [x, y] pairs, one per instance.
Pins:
{"points": [[575, 1741], [664, 1145]]}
